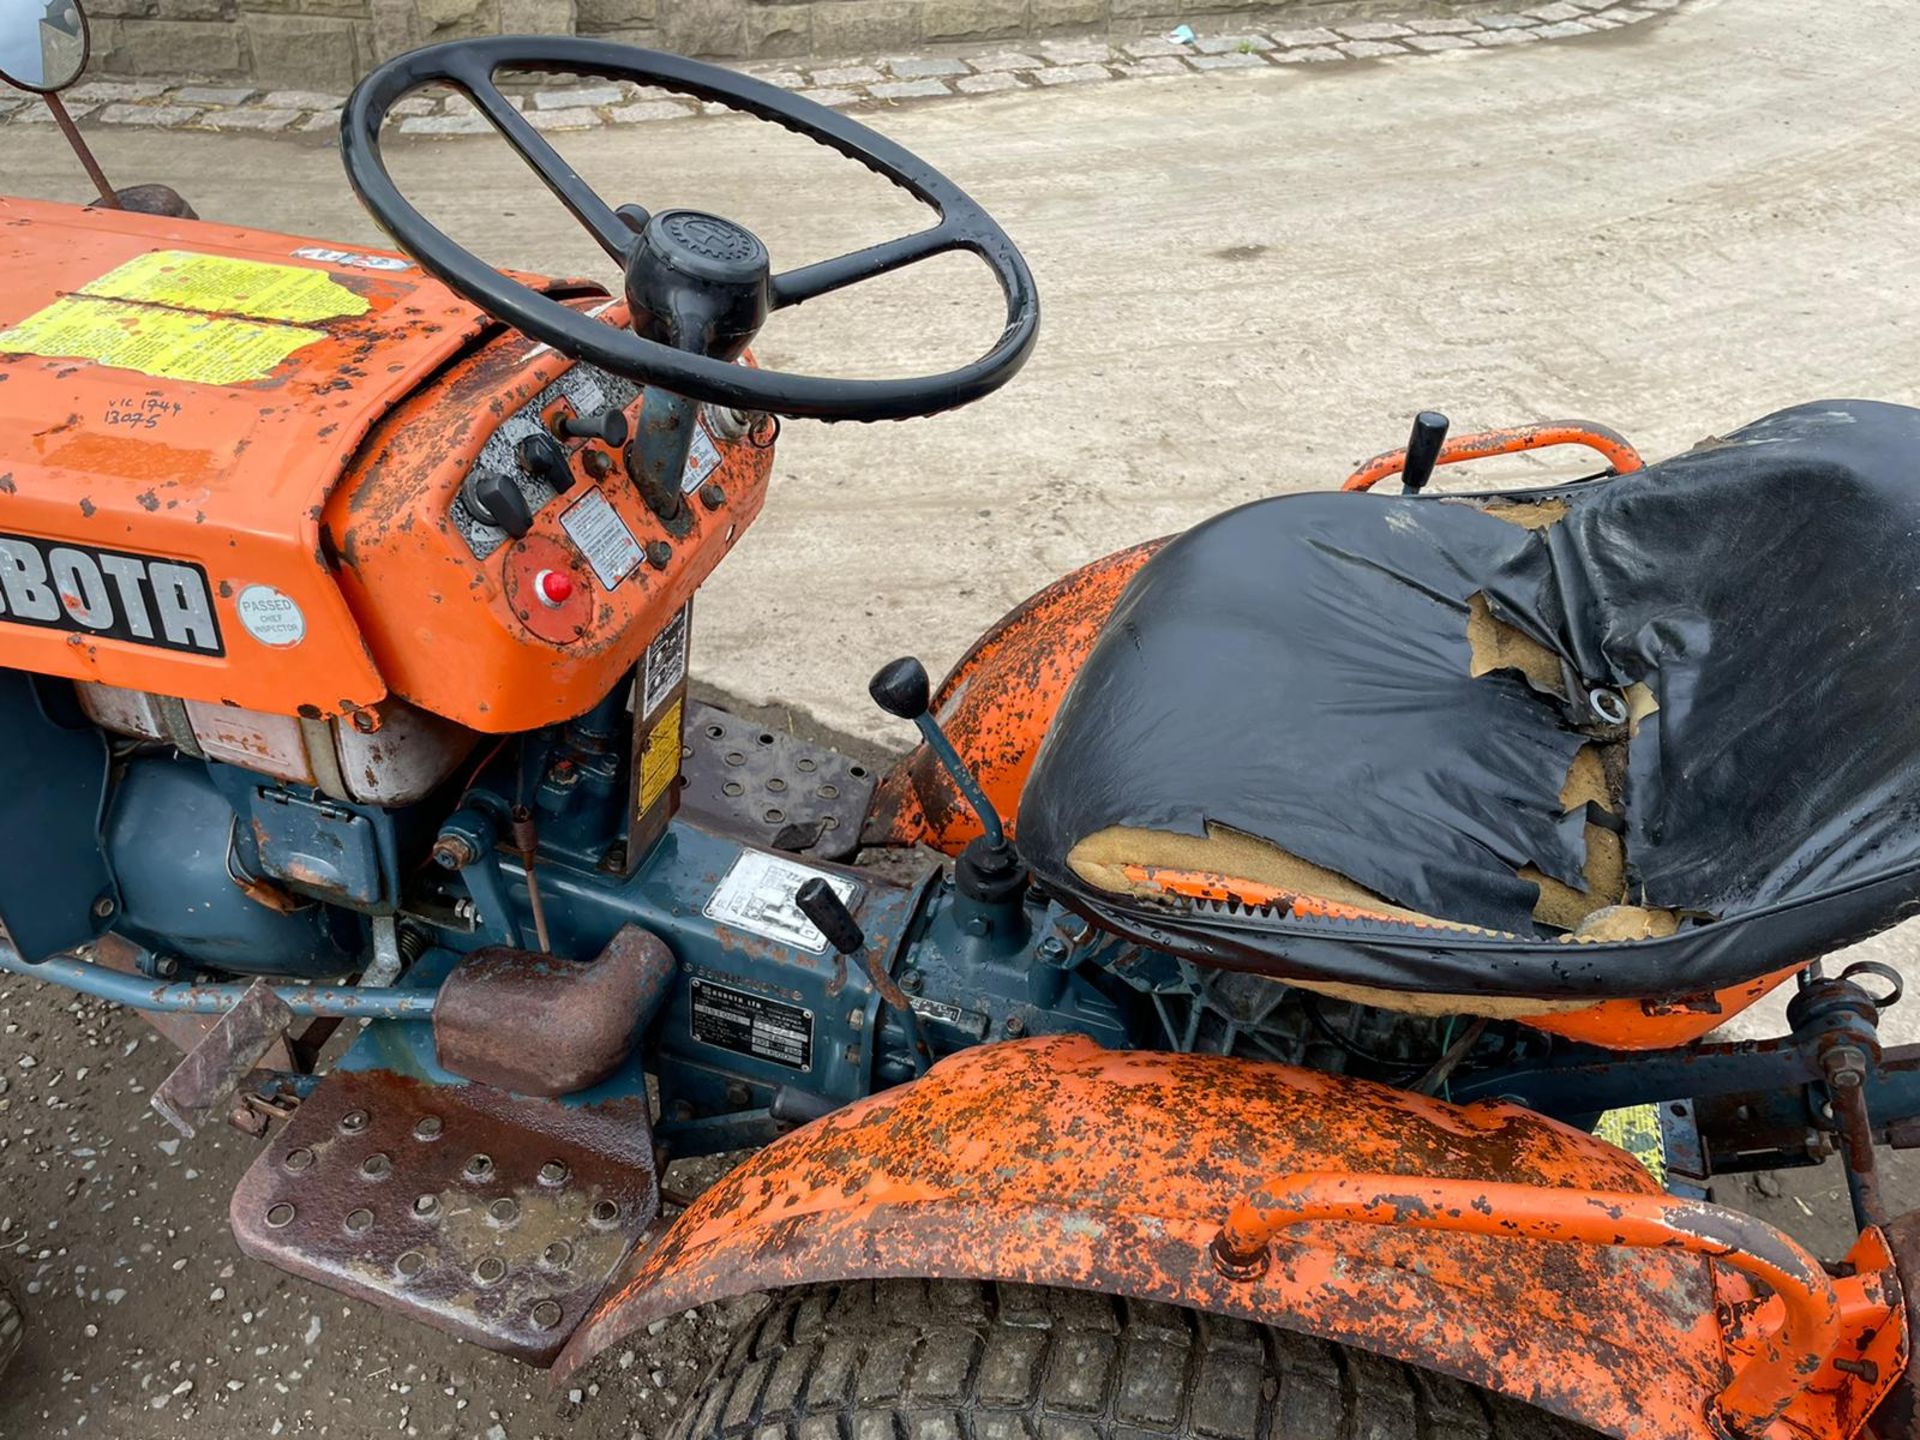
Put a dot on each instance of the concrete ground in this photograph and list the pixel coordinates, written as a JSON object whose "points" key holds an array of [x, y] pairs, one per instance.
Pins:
{"points": [[1251, 281]]}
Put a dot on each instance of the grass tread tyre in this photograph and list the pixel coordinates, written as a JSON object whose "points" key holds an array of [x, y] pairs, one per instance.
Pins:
{"points": [[966, 1360], [11, 1328]]}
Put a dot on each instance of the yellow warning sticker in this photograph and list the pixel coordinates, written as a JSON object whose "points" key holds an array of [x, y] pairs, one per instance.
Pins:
{"points": [[168, 344], [222, 285], [660, 759], [1636, 1130]]}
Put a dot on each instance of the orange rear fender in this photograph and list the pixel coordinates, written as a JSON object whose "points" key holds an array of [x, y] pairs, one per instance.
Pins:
{"points": [[1053, 1161]]}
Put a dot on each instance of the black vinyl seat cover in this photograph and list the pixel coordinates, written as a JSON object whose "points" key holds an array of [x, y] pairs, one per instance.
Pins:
{"points": [[1298, 670]]}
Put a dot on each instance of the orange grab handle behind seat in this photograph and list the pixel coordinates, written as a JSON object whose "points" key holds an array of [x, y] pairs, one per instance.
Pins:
{"points": [[1611, 445], [1751, 1401]]}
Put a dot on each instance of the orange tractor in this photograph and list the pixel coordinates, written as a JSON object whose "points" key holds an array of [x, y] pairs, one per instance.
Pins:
{"points": [[1272, 1002]]}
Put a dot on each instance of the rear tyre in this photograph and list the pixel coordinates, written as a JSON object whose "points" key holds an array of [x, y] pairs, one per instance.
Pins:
{"points": [[11, 1328], [961, 1360]]}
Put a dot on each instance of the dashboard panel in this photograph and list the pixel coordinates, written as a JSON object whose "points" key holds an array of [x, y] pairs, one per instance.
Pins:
{"points": [[505, 631]]}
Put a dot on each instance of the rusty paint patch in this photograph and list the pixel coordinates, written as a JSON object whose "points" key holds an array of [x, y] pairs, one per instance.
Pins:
{"points": [[543, 1025], [1053, 1161]]}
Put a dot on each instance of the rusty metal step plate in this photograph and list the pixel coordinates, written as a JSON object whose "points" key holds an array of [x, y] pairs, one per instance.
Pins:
{"points": [[497, 1218], [769, 789]]}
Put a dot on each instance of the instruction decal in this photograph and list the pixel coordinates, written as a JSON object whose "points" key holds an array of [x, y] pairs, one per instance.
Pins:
{"points": [[703, 458], [223, 285], [603, 537], [756, 895], [666, 662], [660, 757], [1636, 1130], [749, 1024], [166, 344]]}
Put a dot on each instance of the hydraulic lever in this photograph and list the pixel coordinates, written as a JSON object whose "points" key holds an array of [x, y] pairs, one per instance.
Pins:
{"points": [[822, 904], [1423, 451]]}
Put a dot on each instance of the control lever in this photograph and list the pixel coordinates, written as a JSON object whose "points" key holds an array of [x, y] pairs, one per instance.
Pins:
{"points": [[821, 904], [540, 456], [989, 876], [901, 688], [495, 497], [608, 426], [1423, 451]]}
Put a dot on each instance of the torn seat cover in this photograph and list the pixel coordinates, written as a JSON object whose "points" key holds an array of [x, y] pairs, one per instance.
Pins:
{"points": [[1641, 735]]}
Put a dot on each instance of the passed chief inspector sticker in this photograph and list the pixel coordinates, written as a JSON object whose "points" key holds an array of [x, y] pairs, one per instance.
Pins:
{"points": [[271, 617], [178, 315]]}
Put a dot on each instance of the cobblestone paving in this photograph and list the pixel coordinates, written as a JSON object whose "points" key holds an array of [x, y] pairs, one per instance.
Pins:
{"points": [[844, 84]]}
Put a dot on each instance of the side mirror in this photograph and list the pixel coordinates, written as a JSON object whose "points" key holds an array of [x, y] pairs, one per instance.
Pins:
{"points": [[43, 44]]}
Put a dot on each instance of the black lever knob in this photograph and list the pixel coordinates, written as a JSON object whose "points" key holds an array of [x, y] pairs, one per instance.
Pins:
{"points": [[540, 456], [901, 688], [495, 497], [821, 904], [1423, 451], [609, 426]]}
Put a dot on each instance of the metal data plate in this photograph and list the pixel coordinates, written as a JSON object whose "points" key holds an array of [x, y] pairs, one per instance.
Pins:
{"points": [[496, 1218], [745, 780]]}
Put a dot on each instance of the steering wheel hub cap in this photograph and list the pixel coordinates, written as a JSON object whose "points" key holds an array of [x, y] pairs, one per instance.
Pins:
{"points": [[709, 239]]}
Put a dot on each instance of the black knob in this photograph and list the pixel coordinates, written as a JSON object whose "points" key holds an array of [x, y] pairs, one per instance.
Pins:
{"points": [[541, 456], [609, 426], [901, 688], [821, 904], [495, 497], [1423, 450]]}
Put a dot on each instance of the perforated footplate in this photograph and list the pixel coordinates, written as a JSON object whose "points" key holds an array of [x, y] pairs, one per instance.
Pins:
{"points": [[497, 1218], [772, 789]]}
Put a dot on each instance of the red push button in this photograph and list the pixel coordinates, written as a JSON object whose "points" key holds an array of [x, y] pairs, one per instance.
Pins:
{"points": [[554, 587]]}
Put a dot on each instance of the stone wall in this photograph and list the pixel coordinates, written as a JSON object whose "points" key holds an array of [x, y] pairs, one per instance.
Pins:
{"points": [[325, 45]]}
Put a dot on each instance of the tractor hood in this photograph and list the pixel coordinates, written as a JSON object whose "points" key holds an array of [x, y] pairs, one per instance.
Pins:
{"points": [[177, 401]]}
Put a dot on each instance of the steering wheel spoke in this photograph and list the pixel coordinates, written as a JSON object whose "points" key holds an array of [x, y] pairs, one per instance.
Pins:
{"points": [[809, 282], [581, 199]]}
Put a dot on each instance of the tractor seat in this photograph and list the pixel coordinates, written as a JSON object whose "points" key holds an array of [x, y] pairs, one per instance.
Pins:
{"points": [[1643, 735]]}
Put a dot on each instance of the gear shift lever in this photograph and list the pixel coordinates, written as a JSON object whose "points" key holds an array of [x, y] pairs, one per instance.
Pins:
{"points": [[989, 877], [901, 688]]}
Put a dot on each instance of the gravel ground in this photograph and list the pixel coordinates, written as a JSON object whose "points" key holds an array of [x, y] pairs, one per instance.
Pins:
{"points": [[143, 1319]]}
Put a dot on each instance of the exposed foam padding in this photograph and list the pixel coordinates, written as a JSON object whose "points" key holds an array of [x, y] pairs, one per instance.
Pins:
{"points": [[1627, 922], [1564, 907], [1589, 782], [1102, 859], [1499, 646], [1527, 514], [1640, 704], [1409, 1002]]}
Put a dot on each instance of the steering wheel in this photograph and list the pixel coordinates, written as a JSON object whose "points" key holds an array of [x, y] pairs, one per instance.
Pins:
{"points": [[698, 285]]}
